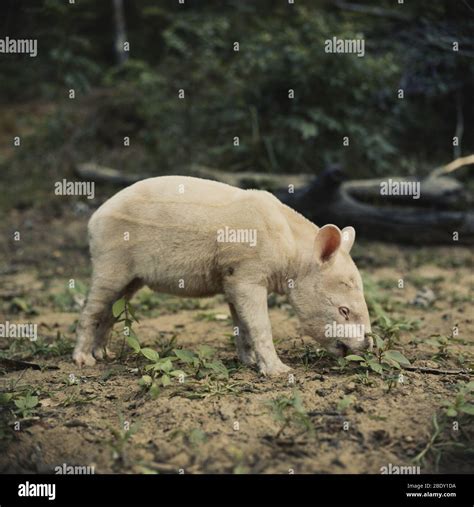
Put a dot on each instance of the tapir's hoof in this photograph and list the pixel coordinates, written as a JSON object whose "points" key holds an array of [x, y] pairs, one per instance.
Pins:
{"points": [[101, 352], [83, 358], [272, 370]]}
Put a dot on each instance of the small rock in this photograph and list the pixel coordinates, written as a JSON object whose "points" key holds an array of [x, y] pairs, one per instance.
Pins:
{"points": [[424, 298], [350, 387], [226, 412]]}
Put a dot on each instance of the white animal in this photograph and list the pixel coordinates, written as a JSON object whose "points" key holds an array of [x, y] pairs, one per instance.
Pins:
{"points": [[195, 237]]}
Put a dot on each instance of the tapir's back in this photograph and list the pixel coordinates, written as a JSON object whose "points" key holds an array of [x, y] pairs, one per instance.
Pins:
{"points": [[182, 201], [186, 222]]}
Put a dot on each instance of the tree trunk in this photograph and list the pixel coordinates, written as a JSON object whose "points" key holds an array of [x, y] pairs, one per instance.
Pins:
{"points": [[120, 32]]}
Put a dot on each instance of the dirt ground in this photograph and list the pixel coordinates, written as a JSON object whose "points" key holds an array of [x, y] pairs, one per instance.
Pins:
{"points": [[348, 421]]}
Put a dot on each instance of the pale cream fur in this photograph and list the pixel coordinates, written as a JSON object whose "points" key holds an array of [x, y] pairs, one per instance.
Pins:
{"points": [[162, 232]]}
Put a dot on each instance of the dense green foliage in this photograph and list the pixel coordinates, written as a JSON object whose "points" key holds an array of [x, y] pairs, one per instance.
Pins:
{"points": [[245, 93]]}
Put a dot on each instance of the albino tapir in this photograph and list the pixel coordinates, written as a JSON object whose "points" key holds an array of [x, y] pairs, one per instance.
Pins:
{"points": [[195, 237]]}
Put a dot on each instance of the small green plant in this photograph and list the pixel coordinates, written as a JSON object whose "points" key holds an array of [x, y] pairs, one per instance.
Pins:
{"points": [[75, 397], [290, 412], [463, 402], [57, 348], [23, 402], [431, 446], [441, 343], [384, 360], [24, 347], [364, 378], [312, 355], [20, 305], [389, 328], [123, 311], [160, 371], [26, 405], [203, 363], [451, 436], [120, 438], [165, 346]]}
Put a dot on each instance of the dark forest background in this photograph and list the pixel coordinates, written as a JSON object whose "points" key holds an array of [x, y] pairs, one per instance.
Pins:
{"points": [[408, 46]]}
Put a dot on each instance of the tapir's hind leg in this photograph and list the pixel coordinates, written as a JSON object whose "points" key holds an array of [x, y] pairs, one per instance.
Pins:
{"points": [[96, 319]]}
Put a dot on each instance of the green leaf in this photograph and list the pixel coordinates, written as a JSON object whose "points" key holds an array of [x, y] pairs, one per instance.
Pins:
{"points": [[186, 356], [451, 412], [354, 357], [205, 352], [133, 343], [470, 386], [468, 408], [390, 362], [166, 364], [146, 380], [154, 390], [118, 307], [379, 342], [397, 356], [165, 380], [23, 305], [150, 354], [375, 367], [131, 311], [27, 402], [219, 368], [5, 398]]}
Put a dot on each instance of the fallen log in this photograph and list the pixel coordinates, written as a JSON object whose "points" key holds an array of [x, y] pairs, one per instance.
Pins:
{"points": [[94, 172], [326, 200], [437, 192]]}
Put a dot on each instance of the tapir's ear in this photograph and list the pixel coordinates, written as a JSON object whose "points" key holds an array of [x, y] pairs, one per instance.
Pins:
{"points": [[348, 238], [328, 240]]}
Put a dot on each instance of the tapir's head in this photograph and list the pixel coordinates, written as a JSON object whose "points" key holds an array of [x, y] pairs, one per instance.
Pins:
{"points": [[328, 296]]}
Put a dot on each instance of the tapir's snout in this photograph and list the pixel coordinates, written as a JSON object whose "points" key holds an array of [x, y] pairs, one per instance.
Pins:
{"points": [[357, 345]]}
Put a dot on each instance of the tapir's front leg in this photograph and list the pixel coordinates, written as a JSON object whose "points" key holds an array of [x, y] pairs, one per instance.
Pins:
{"points": [[244, 347], [250, 303]]}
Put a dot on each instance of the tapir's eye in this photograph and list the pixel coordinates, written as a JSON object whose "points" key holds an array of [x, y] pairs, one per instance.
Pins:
{"points": [[344, 311]]}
